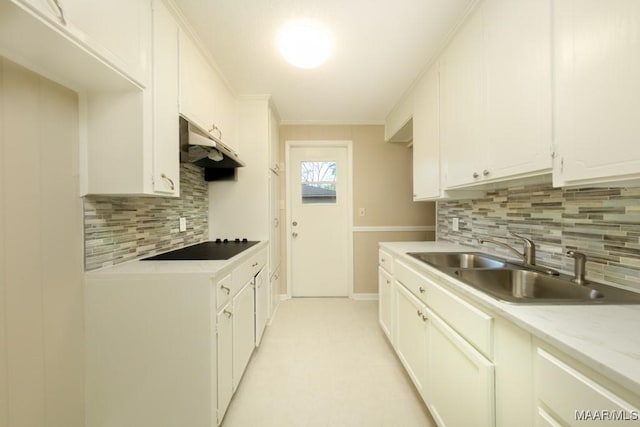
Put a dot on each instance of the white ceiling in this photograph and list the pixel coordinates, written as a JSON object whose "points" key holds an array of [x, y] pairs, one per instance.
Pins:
{"points": [[380, 47]]}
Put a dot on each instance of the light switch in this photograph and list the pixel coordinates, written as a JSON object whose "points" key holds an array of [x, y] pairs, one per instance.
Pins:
{"points": [[183, 224]]}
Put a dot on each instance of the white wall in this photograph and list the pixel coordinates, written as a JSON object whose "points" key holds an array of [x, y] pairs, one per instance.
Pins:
{"points": [[41, 294]]}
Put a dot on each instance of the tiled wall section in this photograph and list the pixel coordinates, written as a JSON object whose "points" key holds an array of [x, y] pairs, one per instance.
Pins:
{"points": [[604, 223], [119, 229]]}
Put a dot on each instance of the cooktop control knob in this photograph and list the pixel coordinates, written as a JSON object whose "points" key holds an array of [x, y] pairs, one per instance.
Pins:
{"points": [[237, 240], [225, 241], [218, 241], [245, 240]]}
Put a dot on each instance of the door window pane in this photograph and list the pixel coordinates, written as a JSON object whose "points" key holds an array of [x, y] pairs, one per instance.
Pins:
{"points": [[318, 182]]}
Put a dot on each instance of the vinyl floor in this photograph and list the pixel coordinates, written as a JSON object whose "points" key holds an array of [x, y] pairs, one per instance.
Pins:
{"points": [[326, 362]]}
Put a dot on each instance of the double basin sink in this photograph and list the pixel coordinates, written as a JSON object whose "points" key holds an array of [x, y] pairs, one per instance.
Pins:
{"points": [[517, 283]]}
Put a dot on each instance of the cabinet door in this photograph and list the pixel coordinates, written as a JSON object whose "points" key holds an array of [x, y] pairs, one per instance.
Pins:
{"points": [[426, 137], [166, 155], [274, 283], [572, 396], [457, 375], [462, 102], [119, 29], [411, 335], [196, 84], [225, 359], [243, 331], [92, 22], [517, 52], [385, 284], [597, 90], [262, 304]]}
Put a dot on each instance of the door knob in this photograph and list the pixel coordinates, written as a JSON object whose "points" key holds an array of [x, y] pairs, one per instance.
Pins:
{"points": [[294, 234], [294, 223]]}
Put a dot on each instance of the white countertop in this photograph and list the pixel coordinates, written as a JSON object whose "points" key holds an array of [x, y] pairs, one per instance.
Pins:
{"points": [[604, 337], [209, 268]]}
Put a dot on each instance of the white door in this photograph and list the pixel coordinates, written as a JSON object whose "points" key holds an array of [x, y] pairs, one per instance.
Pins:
{"points": [[319, 200]]}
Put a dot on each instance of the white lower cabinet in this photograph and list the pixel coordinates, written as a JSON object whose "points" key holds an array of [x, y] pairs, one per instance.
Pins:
{"points": [[243, 331], [474, 368], [411, 335], [262, 302], [225, 359], [575, 398], [385, 288], [459, 382]]}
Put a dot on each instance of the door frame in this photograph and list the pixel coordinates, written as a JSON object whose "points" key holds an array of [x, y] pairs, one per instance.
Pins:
{"points": [[289, 144]]}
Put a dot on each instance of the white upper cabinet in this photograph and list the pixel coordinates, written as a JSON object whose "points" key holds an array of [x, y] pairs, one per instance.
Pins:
{"points": [[461, 103], [132, 141], [204, 97], [426, 138], [118, 31], [597, 92], [496, 95], [517, 112], [397, 126], [166, 164]]}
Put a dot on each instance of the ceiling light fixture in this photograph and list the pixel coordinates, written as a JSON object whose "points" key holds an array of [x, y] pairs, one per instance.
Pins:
{"points": [[304, 45]]}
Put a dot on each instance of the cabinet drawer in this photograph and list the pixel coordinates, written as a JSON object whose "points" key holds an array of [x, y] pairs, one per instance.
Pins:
{"points": [[412, 280], [385, 260], [249, 268], [473, 324], [571, 395], [223, 290]]}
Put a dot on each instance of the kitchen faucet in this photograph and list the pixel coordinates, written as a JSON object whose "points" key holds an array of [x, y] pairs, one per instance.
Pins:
{"points": [[529, 249], [528, 255]]}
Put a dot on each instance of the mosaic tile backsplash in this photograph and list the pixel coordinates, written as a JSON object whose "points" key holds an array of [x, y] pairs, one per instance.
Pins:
{"points": [[119, 229], [604, 223]]}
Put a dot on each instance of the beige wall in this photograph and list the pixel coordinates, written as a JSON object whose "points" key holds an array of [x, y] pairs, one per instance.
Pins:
{"points": [[382, 184], [41, 297]]}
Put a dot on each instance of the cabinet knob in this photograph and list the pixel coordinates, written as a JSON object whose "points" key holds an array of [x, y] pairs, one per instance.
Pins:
{"points": [[485, 172], [422, 290], [388, 282], [476, 174]]}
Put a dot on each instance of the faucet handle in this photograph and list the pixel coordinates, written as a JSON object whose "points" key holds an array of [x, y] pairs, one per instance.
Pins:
{"points": [[527, 242], [576, 255], [529, 248]]}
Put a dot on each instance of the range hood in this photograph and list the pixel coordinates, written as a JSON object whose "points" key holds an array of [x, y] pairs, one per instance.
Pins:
{"points": [[199, 147]]}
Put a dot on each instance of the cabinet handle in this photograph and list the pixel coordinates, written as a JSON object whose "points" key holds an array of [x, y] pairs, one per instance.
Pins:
{"points": [[228, 314], [419, 313], [254, 264], [424, 318], [388, 282], [163, 176], [382, 260], [421, 289], [56, 3], [485, 172], [476, 174], [224, 288]]}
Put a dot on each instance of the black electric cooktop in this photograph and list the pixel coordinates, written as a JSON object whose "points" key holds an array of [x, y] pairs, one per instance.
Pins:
{"points": [[215, 250]]}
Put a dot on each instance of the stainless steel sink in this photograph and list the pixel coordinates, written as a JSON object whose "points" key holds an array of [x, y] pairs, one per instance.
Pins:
{"points": [[459, 259], [513, 282], [527, 286]]}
